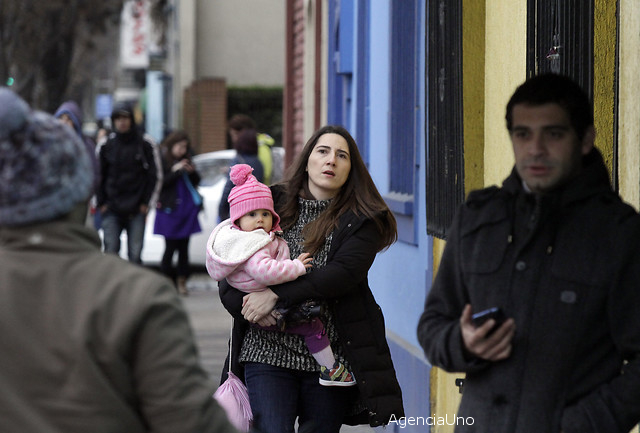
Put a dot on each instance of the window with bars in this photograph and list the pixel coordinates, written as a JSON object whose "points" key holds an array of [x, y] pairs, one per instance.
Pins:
{"points": [[560, 39], [445, 155]]}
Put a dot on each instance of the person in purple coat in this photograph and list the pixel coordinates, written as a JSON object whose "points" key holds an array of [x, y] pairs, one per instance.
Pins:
{"points": [[178, 206]]}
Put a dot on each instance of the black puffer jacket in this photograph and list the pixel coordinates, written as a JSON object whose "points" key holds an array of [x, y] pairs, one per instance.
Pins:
{"points": [[358, 318], [566, 267], [128, 170]]}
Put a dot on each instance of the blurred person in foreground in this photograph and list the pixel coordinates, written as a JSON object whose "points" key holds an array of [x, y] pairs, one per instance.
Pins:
{"points": [[129, 175], [90, 343], [559, 252]]}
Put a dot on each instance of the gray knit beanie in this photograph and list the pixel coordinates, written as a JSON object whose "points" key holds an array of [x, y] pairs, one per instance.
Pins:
{"points": [[45, 168]]}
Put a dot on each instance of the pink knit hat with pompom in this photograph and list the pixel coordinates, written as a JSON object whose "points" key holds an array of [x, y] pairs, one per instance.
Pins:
{"points": [[248, 195]]}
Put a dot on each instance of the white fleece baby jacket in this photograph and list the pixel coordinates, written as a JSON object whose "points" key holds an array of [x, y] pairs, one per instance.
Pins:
{"points": [[250, 261]]}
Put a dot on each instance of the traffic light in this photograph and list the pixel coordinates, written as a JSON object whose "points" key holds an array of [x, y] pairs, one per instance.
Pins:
{"points": [[10, 81]]}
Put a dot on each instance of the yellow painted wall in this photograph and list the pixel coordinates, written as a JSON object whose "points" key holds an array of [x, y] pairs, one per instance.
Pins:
{"points": [[604, 64], [629, 107], [505, 65], [473, 77]]}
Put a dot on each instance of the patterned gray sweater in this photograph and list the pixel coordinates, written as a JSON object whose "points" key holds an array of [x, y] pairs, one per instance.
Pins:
{"points": [[280, 348]]}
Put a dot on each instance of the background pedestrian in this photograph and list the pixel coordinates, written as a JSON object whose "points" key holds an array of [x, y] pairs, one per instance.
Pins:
{"points": [[178, 206], [128, 179], [241, 122], [246, 146]]}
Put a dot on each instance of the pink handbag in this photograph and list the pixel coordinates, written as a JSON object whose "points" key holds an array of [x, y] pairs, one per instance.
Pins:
{"points": [[232, 395]]}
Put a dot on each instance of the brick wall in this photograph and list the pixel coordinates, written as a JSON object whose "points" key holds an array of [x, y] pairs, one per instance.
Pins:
{"points": [[205, 114], [298, 76], [293, 120]]}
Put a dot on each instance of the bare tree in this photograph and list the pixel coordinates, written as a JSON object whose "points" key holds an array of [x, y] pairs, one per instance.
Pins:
{"points": [[54, 49]]}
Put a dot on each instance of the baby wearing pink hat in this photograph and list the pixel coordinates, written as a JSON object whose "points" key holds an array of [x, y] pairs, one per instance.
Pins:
{"points": [[247, 250]]}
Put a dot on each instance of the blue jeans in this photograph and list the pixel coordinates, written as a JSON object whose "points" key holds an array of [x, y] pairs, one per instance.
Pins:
{"points": [[112, 226], [278, 396]]}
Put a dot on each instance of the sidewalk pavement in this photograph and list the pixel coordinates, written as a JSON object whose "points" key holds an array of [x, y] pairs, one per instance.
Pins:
{"points": [[212, 325]]}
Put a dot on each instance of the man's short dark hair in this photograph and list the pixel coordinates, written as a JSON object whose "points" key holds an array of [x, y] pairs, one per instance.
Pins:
{"points": [[240, 122], [555, 89], [247, 142]]}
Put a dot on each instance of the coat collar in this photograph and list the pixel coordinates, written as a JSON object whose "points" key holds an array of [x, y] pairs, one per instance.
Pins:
{"points": [[58, 236]]}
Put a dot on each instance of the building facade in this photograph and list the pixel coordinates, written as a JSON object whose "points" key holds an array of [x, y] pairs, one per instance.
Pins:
{"points": [[422, 86], [210, 46]]}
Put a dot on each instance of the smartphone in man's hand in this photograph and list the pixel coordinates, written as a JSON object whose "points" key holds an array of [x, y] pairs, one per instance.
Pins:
{"points": [[495, 313]]}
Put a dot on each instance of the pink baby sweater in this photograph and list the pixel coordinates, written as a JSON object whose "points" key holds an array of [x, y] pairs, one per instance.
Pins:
{"points": [[250, 261]]}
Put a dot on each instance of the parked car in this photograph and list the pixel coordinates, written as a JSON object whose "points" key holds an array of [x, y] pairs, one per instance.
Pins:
{"points": [[214, 171]]}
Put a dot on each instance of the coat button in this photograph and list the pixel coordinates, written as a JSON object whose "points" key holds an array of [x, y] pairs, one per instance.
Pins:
{"points": [[521, 266], [568, 296]]}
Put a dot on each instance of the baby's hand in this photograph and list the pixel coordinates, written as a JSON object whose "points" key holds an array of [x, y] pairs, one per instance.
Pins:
{"points": [[306, 259]]}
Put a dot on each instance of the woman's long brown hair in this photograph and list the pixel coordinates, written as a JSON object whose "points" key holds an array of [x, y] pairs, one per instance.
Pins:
{"points": [[358, 195], [170, 141]]}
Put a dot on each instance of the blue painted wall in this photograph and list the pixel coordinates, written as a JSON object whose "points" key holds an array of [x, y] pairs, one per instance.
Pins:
{"points": [[401, 275]]}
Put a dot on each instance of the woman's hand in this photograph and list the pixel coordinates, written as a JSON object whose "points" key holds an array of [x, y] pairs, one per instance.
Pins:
{"points": [[270, 320], [258, 305], [183, 164], [267, 321]]}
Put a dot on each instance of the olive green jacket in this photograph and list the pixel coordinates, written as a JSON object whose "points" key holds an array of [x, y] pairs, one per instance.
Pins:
{"points": [[92, 343]]}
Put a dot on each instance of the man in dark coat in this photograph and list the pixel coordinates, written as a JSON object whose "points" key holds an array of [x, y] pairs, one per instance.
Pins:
{"points": [[129, 177], [558, 251]]}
